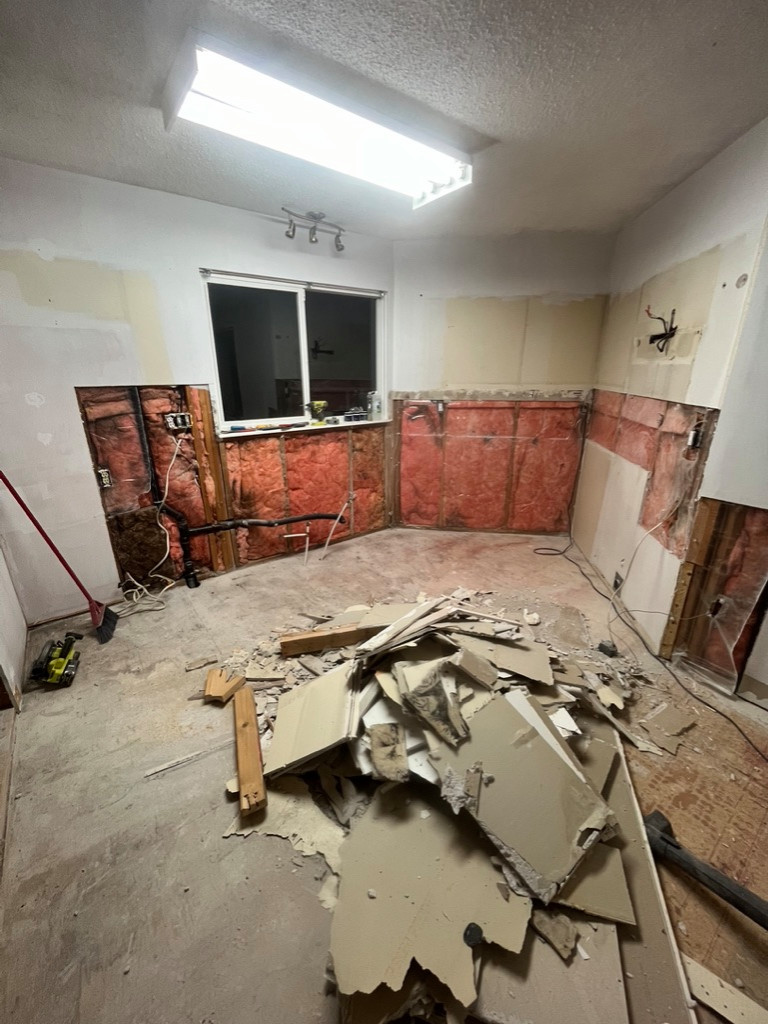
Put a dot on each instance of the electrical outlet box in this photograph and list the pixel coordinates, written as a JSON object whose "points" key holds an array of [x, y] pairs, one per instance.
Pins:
{"points": [[178, 420], [618, 579]]}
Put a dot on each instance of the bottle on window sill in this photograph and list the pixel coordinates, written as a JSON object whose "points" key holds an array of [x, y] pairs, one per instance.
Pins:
{"points": [[374, 405]]}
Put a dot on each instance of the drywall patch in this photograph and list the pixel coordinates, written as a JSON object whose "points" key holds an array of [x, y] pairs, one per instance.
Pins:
{"points": [[562, 340], [483, 342], [97, 292], [530, 341]]}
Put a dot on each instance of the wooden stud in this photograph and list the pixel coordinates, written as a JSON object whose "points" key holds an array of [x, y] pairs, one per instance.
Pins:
{"points": [[201, 455], [221, 505], [250, 767], [324, 639]]}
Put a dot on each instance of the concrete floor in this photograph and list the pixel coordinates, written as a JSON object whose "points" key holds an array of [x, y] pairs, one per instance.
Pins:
{"points": [[121, 900]]}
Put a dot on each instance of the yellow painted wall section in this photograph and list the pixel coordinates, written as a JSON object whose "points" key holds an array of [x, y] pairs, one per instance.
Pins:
{"points": [[97, 293], [530, 342]]}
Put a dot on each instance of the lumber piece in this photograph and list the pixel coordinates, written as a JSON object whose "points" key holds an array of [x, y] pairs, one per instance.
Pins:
{"points": [[250, 772], [220, 687], [331, 637]]}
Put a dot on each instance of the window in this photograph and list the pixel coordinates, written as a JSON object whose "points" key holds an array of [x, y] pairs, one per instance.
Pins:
{"points": [[281, 346]]}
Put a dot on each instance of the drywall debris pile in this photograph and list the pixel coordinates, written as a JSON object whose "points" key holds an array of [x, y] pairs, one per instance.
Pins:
{"points": [[476, 817]]}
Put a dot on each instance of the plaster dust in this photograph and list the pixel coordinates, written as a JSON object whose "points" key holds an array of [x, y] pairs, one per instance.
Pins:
{"points": [[98, 859]]}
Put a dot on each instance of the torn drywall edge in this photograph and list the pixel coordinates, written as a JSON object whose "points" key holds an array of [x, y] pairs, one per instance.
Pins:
{"points": [[501, 740], [415, 913]]}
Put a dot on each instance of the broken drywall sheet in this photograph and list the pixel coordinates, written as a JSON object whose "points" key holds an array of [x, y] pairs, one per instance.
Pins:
{"points": [[598, 886], [388, 752], [538, 986], [537, 809], [429, 699], [597, 760], [292, 814], [313, 718], [431, 877], [665, 725], [525, 658], [556, 929]]}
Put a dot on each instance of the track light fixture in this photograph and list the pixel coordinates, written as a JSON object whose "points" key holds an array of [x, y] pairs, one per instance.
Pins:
{"points": [[315, 223]]}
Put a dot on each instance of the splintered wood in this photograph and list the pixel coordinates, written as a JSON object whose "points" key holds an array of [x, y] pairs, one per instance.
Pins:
{"points": [[250, 773], [498, 868], [219, 686]]}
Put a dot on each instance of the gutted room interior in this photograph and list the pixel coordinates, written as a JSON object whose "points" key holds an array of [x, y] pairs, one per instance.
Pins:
{"points": [[384, 512]]}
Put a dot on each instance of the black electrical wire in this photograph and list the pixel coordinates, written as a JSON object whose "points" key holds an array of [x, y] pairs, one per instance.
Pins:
{"points": [[609, 597]]}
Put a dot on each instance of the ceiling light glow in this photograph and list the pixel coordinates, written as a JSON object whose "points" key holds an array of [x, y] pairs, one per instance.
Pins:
{"points": [[231, 97]]}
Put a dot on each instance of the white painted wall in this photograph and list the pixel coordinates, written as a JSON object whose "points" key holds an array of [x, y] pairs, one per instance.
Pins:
{"points": [[145, 248], [13, 630], [559, 265], [726, 200], [737, 467]]}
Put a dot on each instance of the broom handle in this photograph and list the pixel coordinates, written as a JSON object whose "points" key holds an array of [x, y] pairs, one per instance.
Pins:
{"points": [[33, 519]]}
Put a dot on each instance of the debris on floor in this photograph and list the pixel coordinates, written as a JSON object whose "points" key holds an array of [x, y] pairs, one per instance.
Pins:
{"points": [[465, 785]]}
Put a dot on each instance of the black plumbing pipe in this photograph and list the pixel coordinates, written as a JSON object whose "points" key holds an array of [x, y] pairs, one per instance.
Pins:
{"points": [[186, 532]]}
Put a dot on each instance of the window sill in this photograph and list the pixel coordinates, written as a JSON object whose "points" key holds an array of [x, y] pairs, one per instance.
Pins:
{"points": [[234, 435]]}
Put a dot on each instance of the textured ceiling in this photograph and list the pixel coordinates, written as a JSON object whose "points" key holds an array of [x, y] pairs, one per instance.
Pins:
{"points": [[598, 106]]}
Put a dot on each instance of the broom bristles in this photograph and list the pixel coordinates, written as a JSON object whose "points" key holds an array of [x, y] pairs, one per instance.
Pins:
{"points": [[105, 621]]}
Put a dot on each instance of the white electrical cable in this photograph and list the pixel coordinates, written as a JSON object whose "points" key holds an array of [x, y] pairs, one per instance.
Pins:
{"points": [[140, 593]]}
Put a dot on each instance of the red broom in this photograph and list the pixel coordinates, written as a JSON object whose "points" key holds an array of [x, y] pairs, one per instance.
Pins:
{"points": [[103, 618]]}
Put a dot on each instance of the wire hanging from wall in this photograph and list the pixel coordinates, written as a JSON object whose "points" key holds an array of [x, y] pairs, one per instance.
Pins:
{"points": [[313, 222]]}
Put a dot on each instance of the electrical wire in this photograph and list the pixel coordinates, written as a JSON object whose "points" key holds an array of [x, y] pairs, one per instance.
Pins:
{"points": [[628, 623], [140, 598]]}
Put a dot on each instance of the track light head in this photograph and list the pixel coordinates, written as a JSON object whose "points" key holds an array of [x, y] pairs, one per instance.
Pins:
{"points": [[291, 232], [313, 234], [338, 243]]}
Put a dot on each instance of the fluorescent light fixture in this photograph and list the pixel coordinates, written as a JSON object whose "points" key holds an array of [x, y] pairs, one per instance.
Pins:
{"points": [[231, 97]]}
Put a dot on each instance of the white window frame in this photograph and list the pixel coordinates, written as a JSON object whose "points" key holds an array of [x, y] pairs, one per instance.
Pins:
{"points": [[299, 289]]}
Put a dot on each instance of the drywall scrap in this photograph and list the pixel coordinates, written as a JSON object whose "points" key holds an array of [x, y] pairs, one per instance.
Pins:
{"points": [[464, 784]]}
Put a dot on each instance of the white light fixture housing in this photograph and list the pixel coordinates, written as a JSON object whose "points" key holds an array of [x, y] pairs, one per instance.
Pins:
{"points": [[212, 87]]}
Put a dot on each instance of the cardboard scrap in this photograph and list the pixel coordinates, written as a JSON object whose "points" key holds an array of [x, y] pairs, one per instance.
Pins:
{"points": [[538, 810], [294, 815], [433, 878]]}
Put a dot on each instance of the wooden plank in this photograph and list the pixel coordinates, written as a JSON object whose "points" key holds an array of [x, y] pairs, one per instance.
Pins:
{"points": [[250, 769], [7, 736], [703, 531], [218, 473], [201, 455], [721, 997], [330, 638], [672, 628], [220, 687]]}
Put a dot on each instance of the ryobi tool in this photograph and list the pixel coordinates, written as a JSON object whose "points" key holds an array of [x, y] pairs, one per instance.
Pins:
{"points": [[57, 663]]}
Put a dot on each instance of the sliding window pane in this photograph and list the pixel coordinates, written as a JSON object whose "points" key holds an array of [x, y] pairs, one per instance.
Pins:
{"points": [[256, 332], [341, 343]]}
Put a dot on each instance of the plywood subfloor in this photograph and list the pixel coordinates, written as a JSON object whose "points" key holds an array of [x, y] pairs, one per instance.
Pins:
{"points": [[122, 902]]}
